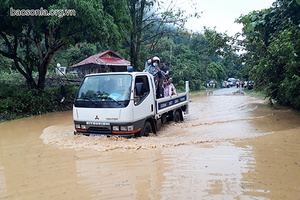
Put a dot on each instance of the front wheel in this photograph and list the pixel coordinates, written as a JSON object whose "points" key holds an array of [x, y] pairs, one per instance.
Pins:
{"points": [[147, 129]]}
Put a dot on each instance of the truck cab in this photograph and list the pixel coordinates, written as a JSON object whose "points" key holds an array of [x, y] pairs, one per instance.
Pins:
{"points": [[120, 103]]}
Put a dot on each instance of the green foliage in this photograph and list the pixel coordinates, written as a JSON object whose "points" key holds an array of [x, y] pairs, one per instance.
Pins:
{"points": [[198, 58], [5, 64], [11, 78], [151, 21], [18, 102], [34, 45], [75, 54], [32, 41], [272, 43], [215, 71]]}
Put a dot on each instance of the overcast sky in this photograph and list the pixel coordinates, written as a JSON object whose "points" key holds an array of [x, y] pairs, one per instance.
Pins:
{"points": [[221, 13]]}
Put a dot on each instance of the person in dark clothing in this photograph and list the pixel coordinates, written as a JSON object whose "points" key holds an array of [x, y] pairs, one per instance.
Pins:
{"points": [[165, 69]]}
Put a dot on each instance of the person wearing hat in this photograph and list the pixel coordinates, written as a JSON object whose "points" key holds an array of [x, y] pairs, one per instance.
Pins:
{"points": [[154, 65], [154, 69]]}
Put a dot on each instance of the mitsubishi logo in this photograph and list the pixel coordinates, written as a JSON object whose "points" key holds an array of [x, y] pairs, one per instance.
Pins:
{"points": [[96, 118]]}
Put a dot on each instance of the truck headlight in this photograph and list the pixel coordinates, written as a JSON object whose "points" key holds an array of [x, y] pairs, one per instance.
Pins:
{"points": [[83, 126], [124, 128], [115, 128], [77, 126]]}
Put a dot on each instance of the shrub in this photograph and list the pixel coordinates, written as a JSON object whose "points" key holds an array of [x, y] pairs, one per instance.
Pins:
{"points": [[18, 102]]}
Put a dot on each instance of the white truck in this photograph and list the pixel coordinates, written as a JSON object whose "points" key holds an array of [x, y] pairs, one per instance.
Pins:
{"points": [[124, 104]]}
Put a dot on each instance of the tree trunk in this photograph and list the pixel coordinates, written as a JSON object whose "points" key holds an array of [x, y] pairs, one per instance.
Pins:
{"points": [[43, 68], [137, 15], [28, 76]]}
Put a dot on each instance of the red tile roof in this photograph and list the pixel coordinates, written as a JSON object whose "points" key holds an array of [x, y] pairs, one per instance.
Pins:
{"points": [[109, 58]]}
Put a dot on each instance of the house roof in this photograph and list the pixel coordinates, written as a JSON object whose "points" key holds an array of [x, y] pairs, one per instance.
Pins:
{"points": [[108, 58]]}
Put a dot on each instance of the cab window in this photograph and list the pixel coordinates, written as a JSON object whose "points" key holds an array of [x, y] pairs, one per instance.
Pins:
{"points": [[141, 89]]}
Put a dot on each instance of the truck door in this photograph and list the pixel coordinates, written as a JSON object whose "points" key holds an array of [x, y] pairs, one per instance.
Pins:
{"points": [[143, 99]]}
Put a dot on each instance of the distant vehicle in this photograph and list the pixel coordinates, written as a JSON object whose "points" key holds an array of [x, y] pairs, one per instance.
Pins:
{"points": [[231, 82], [250, 85], [231, 79], [211, 84]]}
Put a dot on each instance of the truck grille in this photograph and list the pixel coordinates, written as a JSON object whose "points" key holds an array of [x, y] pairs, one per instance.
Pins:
{"points": [[99, 130]]}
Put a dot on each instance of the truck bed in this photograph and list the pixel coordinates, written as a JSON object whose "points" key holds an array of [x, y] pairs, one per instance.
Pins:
{"points": [[167, 104]]}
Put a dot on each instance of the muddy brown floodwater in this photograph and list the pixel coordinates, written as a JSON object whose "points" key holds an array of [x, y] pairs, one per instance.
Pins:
{"points": [[230, 146]]}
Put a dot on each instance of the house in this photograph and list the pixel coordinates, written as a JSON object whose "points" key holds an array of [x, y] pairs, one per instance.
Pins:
{"points": [[107, 61]]}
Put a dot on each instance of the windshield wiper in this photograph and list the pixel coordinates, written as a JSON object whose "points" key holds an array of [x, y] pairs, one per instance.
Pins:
{"points": [[114, 100], [94, 102], [106, 96]]}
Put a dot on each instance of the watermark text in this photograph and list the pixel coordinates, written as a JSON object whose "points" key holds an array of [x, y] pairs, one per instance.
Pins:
{"points": [[42, 12]]}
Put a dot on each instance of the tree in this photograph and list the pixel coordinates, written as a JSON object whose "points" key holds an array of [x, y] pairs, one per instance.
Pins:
{"points": [[31, 40], [75, 54], [150, 22], [272, 44], [215, 71], [214, 54]]}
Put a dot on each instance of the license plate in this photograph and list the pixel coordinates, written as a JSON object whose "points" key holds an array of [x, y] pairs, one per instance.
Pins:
{"points": [[95, 135]]}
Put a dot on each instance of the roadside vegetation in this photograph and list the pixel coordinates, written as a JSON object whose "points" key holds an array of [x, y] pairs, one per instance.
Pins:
{"points": [[272, 44], [17, 100], [256, 93], [30, 47]]}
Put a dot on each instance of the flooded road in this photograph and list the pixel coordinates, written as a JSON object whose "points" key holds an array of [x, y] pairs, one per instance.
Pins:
{"points": [[230, 146]]}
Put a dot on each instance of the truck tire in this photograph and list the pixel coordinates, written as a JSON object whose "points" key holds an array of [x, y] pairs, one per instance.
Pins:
{"points": [[164, 119], [147, 129], [177, 116]]}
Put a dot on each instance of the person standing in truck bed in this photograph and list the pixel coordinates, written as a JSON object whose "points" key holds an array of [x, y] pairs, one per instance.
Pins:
{"points": [[165, 69], [154, 69]]}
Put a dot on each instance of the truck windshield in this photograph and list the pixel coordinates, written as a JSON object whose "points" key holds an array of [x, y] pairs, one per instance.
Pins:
{"points": [[104, 91]]}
